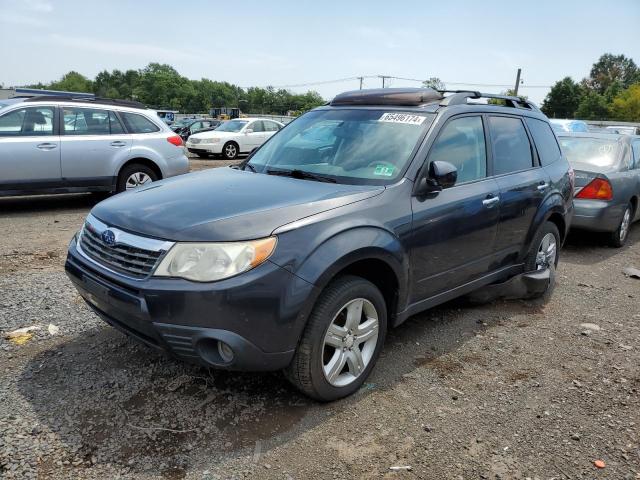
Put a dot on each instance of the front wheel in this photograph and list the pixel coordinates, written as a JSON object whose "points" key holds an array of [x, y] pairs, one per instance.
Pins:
{"points": [[230, 151], [619, 237], [342, 340]]}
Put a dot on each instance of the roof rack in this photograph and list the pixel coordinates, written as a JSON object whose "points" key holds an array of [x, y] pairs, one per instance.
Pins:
{"points": [[388, 96], [99, 100], [460, 97]]}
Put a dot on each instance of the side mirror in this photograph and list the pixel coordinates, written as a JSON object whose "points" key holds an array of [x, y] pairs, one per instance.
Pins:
{"points": [[248, 130], [441, 175]]}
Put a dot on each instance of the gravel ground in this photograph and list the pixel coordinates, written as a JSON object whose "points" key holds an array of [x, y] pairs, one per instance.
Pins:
{"points": [[507, 390]]}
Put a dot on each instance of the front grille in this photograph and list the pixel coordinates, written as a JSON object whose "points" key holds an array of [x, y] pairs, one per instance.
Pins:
{"points": [[121, 258]]}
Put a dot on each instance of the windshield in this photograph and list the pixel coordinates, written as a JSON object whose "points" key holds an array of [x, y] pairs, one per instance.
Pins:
{"points": [[351, 146], [232, 126], [599, 152]]}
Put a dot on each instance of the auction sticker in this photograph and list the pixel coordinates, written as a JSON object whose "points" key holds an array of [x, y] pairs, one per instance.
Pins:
{"points": [[384, 170], [406, 118]]}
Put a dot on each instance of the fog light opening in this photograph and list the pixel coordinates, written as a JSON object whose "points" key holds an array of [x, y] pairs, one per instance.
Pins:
{"points": [[225, 351]]}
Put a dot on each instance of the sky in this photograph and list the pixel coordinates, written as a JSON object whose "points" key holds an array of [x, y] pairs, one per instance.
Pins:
{"points": [[302, 44]]}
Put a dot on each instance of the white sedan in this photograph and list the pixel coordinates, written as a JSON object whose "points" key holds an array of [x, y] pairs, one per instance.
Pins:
{"points": [[234, 137]]}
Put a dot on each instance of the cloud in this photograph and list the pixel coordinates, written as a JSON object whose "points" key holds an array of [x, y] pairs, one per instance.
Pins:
{"points": [[142, 50], [391, 38]]}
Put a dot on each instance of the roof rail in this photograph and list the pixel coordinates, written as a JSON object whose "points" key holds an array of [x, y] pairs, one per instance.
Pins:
{"points": [[460, 97], [99, 100]]}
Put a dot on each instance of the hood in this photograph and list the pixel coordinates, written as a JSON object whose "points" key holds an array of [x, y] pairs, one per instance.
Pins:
{"points": [[224, 204]]}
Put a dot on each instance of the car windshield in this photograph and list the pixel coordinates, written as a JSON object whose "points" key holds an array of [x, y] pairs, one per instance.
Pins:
{"points": [[232, 126], [599, 152], [348, 145]]}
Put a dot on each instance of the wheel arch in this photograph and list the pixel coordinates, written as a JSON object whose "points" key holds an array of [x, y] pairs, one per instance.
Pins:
{"points": [[142, 161], [552, 210]]}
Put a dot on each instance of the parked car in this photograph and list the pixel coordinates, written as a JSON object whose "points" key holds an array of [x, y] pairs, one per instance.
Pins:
{"points": [[196, 126], [233, 137], [303, 256], [624, 129], [607, 169], [560, 125], [61, 145]]}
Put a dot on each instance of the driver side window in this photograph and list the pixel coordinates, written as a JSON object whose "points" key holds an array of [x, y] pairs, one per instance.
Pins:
{"points": [[461, 142]]}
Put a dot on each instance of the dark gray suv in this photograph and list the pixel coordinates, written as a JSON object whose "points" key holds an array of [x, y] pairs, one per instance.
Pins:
{"points": [[349, 220]]}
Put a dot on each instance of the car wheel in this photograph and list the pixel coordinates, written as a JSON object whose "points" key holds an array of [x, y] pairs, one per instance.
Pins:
{"points": [[230, 150], [134, 176], [544, 253], [619, 237], [342, 340]]}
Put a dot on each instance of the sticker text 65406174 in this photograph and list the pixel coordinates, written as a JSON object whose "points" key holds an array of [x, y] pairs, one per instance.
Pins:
{"points": [[406, 118]]}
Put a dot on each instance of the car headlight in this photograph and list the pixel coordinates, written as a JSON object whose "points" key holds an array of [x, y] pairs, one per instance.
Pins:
{"points": [[210, 140], [208, 262]]}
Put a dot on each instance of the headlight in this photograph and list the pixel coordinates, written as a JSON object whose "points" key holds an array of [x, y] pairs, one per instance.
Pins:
{"points": [[210, 140], [208, 262]]}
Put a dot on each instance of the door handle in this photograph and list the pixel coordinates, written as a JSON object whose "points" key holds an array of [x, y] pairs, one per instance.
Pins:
{"points": [[542, 187], [118, 143], [46, 146], [490, 201]]}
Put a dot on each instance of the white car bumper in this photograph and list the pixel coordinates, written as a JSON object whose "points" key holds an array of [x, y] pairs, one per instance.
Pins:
{"points": [[196, 147]]}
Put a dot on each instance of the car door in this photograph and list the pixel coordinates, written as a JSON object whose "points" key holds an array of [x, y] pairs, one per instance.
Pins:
{"points": [[93, 143], [29, 148], [523, 184], [454, 230], [258, 136]]}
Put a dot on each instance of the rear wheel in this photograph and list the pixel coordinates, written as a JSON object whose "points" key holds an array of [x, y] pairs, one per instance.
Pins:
{"points": [[342, 340], [619, 237], [134, 176], [544, 253]]}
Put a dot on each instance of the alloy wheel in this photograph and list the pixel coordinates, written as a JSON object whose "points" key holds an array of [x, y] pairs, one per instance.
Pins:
{"points": [[230, 150], [136, 179], [350, 342], [624, 226], [547, 252]]}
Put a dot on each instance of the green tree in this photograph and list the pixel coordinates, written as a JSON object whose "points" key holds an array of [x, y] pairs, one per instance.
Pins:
{"points": [[610, 69], [435, 83], [72, 82], [626, 106], [593, 106], [563, 99]]}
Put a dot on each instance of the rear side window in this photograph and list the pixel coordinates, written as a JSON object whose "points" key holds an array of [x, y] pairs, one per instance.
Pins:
{"points": [[138, 124], [461, 143], [271, 126], [31, 121], [88, 121], [511, 147], [545, 140]]}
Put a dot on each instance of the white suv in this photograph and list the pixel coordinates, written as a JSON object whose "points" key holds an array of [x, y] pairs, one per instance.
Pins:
{"points": [[61, 145], [234, 137]]}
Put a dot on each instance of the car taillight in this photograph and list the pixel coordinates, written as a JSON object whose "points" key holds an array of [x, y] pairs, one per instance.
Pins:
{"points": [[598, 189], [175, 140]]}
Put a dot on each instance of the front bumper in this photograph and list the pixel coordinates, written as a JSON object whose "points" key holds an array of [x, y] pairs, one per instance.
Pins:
{"points": [[214, 148], [260, 314], [596, 215]]}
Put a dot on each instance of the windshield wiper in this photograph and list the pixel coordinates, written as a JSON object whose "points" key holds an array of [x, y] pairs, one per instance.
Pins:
{"points": [[251, 167], [302, 175]]}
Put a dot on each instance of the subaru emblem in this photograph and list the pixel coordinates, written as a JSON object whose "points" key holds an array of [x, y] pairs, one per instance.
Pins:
{"points": [[109, 237]]}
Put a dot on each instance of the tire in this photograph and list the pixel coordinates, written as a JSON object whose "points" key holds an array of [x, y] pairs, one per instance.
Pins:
{"points": [[535, 261], [532, 261], [130, 172], [230, 150], [314, 356], [203, 155], [619, 237]]}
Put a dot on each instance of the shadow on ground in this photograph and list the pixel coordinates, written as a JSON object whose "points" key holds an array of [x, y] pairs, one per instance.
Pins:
{"points": [[110, 400]]}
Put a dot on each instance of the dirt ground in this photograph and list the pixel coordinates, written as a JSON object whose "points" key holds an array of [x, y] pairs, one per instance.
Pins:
{"points": [[506, 390]]}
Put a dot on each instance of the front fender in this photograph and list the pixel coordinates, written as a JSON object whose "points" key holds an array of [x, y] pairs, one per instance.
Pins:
{"points": [[338, 251]]}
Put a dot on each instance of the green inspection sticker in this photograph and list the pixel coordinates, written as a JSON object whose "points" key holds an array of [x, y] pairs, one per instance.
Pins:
{"points": [[384, 170]]}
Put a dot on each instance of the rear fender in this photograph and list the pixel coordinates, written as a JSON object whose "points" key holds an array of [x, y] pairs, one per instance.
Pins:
{"points": [[554, 203]]}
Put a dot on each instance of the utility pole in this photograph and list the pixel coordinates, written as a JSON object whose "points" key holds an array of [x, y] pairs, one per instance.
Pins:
{"points": [[515, 90], [383, 77], [361, 80]]}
